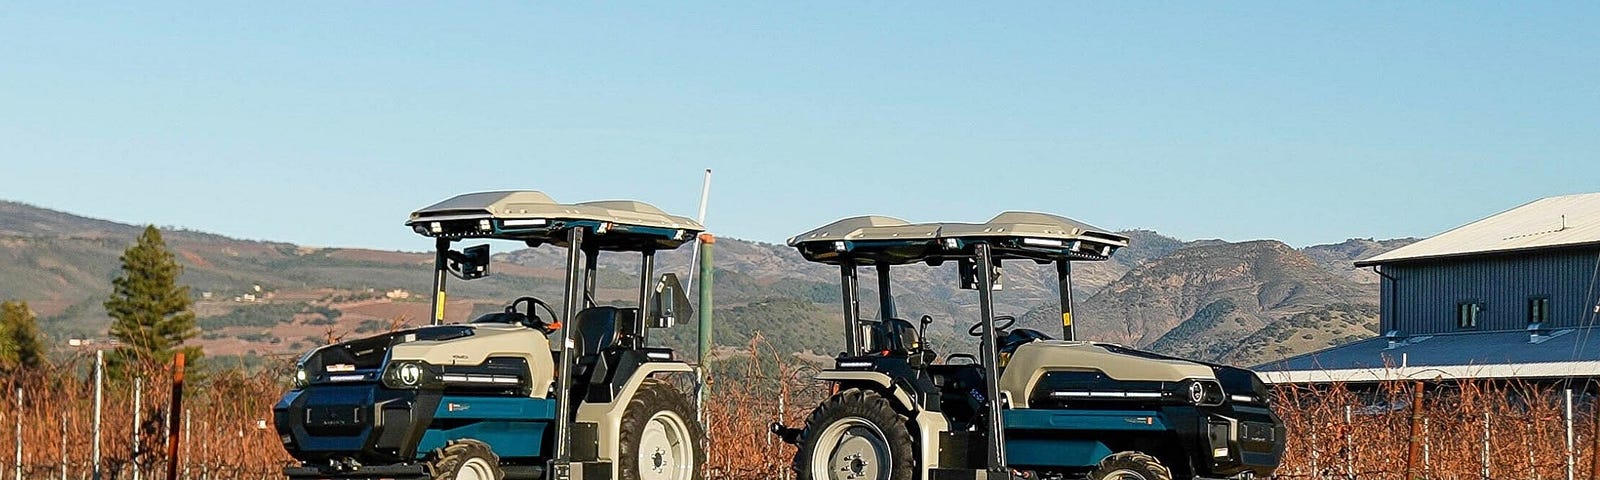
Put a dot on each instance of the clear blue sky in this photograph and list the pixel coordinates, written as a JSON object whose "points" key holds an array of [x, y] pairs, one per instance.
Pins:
{"points": [[325, 123]]}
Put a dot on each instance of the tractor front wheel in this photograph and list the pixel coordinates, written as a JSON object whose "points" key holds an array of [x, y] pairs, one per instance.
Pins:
{"points": [[1130, 466], [660, 438], [855, 435], [465, 460]]}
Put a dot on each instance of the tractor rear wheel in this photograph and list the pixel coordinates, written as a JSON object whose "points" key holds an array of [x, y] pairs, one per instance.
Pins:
{"points": [[660, 438], [1130, 466], [465, 460], [855, 435]]}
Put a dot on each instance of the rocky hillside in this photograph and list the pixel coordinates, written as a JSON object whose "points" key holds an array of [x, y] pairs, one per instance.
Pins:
{"points": [[1241, 303], [1236, 302]]}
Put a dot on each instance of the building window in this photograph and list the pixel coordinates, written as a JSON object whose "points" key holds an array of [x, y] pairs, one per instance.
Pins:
{"points": [[1467, 314], [1538, 310]]}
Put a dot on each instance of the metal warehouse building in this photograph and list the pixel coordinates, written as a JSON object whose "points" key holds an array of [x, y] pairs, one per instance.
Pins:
{"points": [[1509, 296]]}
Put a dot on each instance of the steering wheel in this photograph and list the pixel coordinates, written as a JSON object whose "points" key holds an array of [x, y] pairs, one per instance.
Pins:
{"points": [[533, 317], [1001, 322]]}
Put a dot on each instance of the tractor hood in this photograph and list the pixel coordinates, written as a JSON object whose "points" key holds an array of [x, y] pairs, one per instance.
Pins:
{"points": [[443, 350], [1034, 360]]}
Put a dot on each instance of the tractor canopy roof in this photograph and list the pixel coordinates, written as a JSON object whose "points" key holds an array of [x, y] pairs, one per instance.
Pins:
{"points": [[536, 219], [871, 240]]}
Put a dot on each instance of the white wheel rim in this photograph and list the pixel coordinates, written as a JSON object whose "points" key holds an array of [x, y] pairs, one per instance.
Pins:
{"points": [[851, 449], [475, 468], [665, 450], [1124, 474]]}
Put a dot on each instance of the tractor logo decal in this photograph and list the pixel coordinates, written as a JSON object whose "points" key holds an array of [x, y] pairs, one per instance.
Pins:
{"points": [[457, 407], [1140, 420]]}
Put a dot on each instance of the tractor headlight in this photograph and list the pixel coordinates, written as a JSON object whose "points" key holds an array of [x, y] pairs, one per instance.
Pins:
{"points": [[408, 375], [1201, 392], [301, 378]]}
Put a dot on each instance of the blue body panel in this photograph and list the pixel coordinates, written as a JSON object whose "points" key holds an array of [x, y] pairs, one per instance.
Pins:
{"points": [[515, 427], [1063, 438], [1086, 420]]}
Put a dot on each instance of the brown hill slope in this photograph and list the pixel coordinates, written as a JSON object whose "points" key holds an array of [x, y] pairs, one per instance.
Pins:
{"points": [[1202, 301]]}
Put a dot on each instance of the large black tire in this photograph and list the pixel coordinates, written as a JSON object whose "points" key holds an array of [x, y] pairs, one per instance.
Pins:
{"points": [[658, 431], [1130, 466], [464, 460], [855, 435]]}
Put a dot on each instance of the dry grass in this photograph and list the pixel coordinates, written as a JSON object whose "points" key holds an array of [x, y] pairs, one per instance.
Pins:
{"points": [[224, 420], [1334, 432]]}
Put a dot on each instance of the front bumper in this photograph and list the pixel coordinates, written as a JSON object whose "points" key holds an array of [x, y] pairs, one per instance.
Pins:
{"points": [[365, 423], [1243, 440]]}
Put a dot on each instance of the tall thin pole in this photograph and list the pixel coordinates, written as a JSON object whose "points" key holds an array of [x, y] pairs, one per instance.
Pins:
{"points": [[138, 393], [441, 265], [186, 448], [990, 360], [705, 301], [63, 447], [1568, 415], [694, 255], [1413, 458], [99, 382], [1349, 450], [1064, 281], [1485, 445], [174, 434], [19, 433], [1594, 440], [561, 463]]}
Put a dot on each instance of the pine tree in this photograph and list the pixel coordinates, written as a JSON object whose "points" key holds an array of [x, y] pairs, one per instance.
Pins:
{"points": [[150, 311], [21, 344]]}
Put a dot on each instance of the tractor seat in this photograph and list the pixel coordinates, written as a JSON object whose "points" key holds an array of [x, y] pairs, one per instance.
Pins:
{"points": [[894, 337], [899, 338], [601, 327]]}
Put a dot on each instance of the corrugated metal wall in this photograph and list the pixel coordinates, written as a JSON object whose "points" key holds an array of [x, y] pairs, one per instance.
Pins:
{"points": [[1428, 294]]}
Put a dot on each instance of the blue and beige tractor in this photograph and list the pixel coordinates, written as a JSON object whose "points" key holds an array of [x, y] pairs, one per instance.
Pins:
{"points": [[561, 390], [1024, 405]]}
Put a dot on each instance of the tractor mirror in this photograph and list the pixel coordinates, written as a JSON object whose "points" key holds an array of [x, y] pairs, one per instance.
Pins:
{"points": [[469, 263], [671, 303], [968, 269]]}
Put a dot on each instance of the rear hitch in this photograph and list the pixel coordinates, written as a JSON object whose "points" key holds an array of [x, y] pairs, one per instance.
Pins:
{"points": [[788, 435]]}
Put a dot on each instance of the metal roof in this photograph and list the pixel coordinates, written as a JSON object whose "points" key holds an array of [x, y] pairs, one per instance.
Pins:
{"points": [[1563, 221], [1502, 354], [534, 217], [874, 239]]}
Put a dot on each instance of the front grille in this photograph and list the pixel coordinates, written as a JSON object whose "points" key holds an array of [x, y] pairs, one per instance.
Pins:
{"points": [[334, 419], [1257, 434]]}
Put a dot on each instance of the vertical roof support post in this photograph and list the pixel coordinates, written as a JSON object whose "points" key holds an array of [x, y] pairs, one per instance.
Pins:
{"points": [[852, 308], [441, 265], [1064, 280], [990, 360], [569, 311], [647, 269], [885, 294], [591, 264]]}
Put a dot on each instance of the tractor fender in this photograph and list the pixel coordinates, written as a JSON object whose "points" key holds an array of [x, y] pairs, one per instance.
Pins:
{"points": [[928, 424], [607, 417], [882, 381]]}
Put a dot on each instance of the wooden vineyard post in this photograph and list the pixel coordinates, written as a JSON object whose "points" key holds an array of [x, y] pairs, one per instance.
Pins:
{"points": [[175, 419]]}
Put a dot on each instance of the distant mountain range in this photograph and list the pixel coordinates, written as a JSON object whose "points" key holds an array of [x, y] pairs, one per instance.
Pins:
{"points": [[1243, 303]]}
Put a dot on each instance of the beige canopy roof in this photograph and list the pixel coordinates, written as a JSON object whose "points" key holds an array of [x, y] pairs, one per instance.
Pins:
{"points": [[1019, 234], [534, 217]]}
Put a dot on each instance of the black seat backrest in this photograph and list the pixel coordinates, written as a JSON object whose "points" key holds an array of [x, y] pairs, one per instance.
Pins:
{"points": [[601, 327], [894, 337]]}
